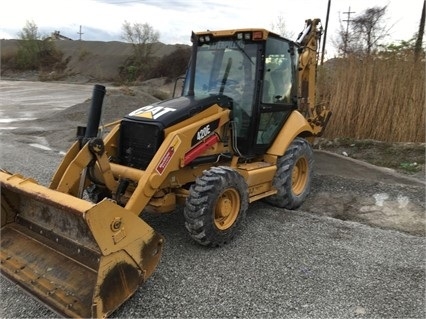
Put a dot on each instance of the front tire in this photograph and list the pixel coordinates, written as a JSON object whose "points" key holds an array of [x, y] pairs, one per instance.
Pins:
{"points": [[216, 206], [293, 176]]}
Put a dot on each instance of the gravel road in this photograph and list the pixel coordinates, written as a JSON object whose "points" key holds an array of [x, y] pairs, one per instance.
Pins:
{"points": [[309, 263]]}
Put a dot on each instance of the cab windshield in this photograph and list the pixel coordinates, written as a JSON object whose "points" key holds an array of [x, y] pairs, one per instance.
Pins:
{"points": [[260, 78], [226, 67]]}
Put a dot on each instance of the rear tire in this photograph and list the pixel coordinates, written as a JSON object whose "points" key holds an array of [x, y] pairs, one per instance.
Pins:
{"points": [[216, 206], [293, 176]]}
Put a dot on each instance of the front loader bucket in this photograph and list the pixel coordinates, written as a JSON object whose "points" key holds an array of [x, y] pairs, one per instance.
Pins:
{"points": [[80, 259]]}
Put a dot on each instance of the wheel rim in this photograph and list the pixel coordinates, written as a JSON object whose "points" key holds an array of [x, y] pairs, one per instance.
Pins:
{"points": [[227, 209], [299, 176]]}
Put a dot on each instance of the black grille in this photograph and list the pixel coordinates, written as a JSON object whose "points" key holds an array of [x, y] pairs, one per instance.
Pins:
{"points": [[138, 143]]}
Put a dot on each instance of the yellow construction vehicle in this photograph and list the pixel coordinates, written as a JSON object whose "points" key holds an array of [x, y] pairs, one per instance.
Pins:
{"points": [[240, 132]]}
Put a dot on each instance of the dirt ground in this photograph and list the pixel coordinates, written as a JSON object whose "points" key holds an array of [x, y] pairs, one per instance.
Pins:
{"points": [[405, 158]]}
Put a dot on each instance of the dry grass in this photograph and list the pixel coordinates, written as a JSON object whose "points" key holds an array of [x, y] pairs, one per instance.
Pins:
{"points": [[375, 99]]}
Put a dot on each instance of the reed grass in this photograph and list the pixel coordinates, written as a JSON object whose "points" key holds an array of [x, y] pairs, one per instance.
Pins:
{"points": [[375, 99]]}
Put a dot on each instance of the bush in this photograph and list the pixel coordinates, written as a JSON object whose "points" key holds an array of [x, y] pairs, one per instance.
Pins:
{"points": [[169, 66], [173, 65], [132, 70], [35, 55]]}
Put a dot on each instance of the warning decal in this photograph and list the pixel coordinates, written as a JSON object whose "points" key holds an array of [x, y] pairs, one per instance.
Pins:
{"points": [[165, 160]]}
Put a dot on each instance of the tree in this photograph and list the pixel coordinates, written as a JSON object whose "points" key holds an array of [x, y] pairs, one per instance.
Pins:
{"points": [[368, 29], [143, 37], [29, 32], [27, 55], [364, 33], [342, 41], [35, 52], [401, 50], [280, 28]]}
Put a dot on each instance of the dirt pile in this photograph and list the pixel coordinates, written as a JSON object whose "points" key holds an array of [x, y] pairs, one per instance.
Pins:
{"points": [[59, 128], [86, 61]]}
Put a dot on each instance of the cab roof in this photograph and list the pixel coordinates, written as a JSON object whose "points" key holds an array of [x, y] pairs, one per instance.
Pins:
{"points": [[261, 34]]}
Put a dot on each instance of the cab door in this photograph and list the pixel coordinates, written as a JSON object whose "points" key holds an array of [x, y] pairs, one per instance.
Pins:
{"points": [[278, 94]]}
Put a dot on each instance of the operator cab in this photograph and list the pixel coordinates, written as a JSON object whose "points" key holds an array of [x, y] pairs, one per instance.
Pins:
{"points": [[257, 70]]}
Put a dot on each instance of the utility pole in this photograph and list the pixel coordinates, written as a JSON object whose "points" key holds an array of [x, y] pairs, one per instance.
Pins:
{"points": [[325, 32], [418, 46], [347, 29], [80, 33]]}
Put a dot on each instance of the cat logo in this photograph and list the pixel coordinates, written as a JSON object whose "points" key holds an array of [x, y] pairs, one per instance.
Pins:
{"points": [[152, 112]]}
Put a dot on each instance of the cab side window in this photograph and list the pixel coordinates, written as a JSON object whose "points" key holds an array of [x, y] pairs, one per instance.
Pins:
{"points": [[277, 77]]}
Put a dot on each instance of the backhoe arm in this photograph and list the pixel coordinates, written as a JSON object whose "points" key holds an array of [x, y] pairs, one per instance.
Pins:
{"points": [[309, 39]]}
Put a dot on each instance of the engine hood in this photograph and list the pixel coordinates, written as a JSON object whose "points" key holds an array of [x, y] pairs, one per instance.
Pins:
{"points": [[175, 110]]}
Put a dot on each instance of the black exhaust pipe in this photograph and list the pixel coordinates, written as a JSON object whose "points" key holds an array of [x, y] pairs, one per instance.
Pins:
{"points": [[95, 112]]}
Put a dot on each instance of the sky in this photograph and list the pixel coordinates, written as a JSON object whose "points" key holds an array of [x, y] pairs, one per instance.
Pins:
{"points": [[102, 20]]}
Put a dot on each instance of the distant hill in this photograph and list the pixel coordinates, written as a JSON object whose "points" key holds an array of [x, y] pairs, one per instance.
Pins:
{"points": [[90, 60]]}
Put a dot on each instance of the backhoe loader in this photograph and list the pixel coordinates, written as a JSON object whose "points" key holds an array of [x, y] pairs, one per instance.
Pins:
{"points": [[240, 131]]}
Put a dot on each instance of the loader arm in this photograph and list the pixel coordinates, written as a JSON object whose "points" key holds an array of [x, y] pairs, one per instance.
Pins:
{"points": [[93, 153], [175, 153], [170, 158]]}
